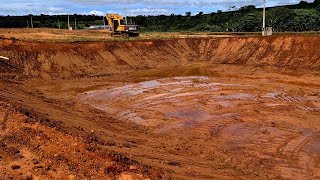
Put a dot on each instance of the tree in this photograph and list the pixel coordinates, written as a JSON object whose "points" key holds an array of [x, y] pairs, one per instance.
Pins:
{"points": [[233, 8], [247, 9], [280, 18], [188, 13], [303, 4], [316, 4], [200, 14]]}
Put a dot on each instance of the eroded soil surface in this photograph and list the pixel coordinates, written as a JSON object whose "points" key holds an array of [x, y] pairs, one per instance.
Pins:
{"points": [[31, 150], [242, 122]]}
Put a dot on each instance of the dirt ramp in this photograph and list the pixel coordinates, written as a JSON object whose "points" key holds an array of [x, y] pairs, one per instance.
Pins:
{"points": [[64, 60]]}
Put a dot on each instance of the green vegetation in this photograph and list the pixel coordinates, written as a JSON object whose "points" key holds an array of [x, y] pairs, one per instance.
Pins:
{"points": [[300, 17], [49, 21]]}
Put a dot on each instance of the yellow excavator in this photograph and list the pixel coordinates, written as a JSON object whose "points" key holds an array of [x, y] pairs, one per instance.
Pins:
{"points": [[120, 28]]}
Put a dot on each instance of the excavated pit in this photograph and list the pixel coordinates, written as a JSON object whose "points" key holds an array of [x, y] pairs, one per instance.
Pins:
{"points": [[240, 107]]}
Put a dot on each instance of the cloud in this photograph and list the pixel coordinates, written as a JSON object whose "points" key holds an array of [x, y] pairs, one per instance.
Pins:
{"points": [[14, 7], [148, 11], [97, 13], [185, 3], [134, 7]]}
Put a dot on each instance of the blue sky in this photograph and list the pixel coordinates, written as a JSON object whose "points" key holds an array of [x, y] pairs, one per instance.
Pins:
{"points": [[134, 7]]}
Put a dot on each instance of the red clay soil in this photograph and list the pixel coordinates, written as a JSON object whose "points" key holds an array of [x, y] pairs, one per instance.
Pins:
{"points": [[65, 60], [199, 108], [30, 150]]}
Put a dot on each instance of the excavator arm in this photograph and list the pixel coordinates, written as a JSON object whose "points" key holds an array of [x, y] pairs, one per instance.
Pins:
{"points": [[111, 20]]}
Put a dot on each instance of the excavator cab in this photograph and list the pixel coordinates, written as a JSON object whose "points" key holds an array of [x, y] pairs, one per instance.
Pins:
{"points": [[116, 24], [120, 28]]}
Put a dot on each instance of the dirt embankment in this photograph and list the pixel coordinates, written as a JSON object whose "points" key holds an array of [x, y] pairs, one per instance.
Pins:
{"points": [[232, 122], [64, 60]]}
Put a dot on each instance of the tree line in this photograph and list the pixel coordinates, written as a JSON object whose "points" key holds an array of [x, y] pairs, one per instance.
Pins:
{"points": [[299, 17]]}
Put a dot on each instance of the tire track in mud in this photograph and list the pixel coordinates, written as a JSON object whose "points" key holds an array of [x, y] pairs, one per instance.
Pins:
{"points": [[303, 103], [296, 147], [221, 119], [145, 152]]}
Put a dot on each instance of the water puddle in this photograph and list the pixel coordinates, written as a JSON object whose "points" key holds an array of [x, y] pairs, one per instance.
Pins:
{"points": [[188, 94], [235, 96], [192, 77], [306, 132], [191, 118], [226, 104], [131, 116], [273, 95], [314, 147], [207, 85], [150, 84]]}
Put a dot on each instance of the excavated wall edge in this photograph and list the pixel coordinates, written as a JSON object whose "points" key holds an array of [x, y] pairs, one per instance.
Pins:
{"points": [[48, 59]]}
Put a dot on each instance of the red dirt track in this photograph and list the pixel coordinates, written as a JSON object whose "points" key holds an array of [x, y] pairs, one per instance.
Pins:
{"points": [[188, 108]]}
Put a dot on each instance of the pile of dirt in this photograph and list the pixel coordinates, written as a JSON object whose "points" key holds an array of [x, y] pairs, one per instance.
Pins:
{"points": [[65, 60]]}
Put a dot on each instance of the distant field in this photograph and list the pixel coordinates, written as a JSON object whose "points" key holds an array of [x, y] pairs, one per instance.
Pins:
{"points": [[56, 35]]}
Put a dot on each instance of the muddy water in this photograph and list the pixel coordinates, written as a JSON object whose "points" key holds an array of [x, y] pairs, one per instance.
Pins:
{"points": [[314, 147], [181, 100], [173, 99]]}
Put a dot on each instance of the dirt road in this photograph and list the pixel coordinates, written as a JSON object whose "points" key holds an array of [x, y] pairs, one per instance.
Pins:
{"points": [[166, 109]]}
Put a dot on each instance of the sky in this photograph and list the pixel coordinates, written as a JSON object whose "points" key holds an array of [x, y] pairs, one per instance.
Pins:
{"points": [[126, 7]]}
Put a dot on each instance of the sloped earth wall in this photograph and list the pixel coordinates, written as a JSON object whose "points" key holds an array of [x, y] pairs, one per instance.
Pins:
{"points": [[65, 60]]}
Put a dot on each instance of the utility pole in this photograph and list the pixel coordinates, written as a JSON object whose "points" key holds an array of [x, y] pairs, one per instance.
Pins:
{"points": [[126, 15], [75, 23], [264, 19], [59, 24], [68, 22], [104, 23], [31, 23]]}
